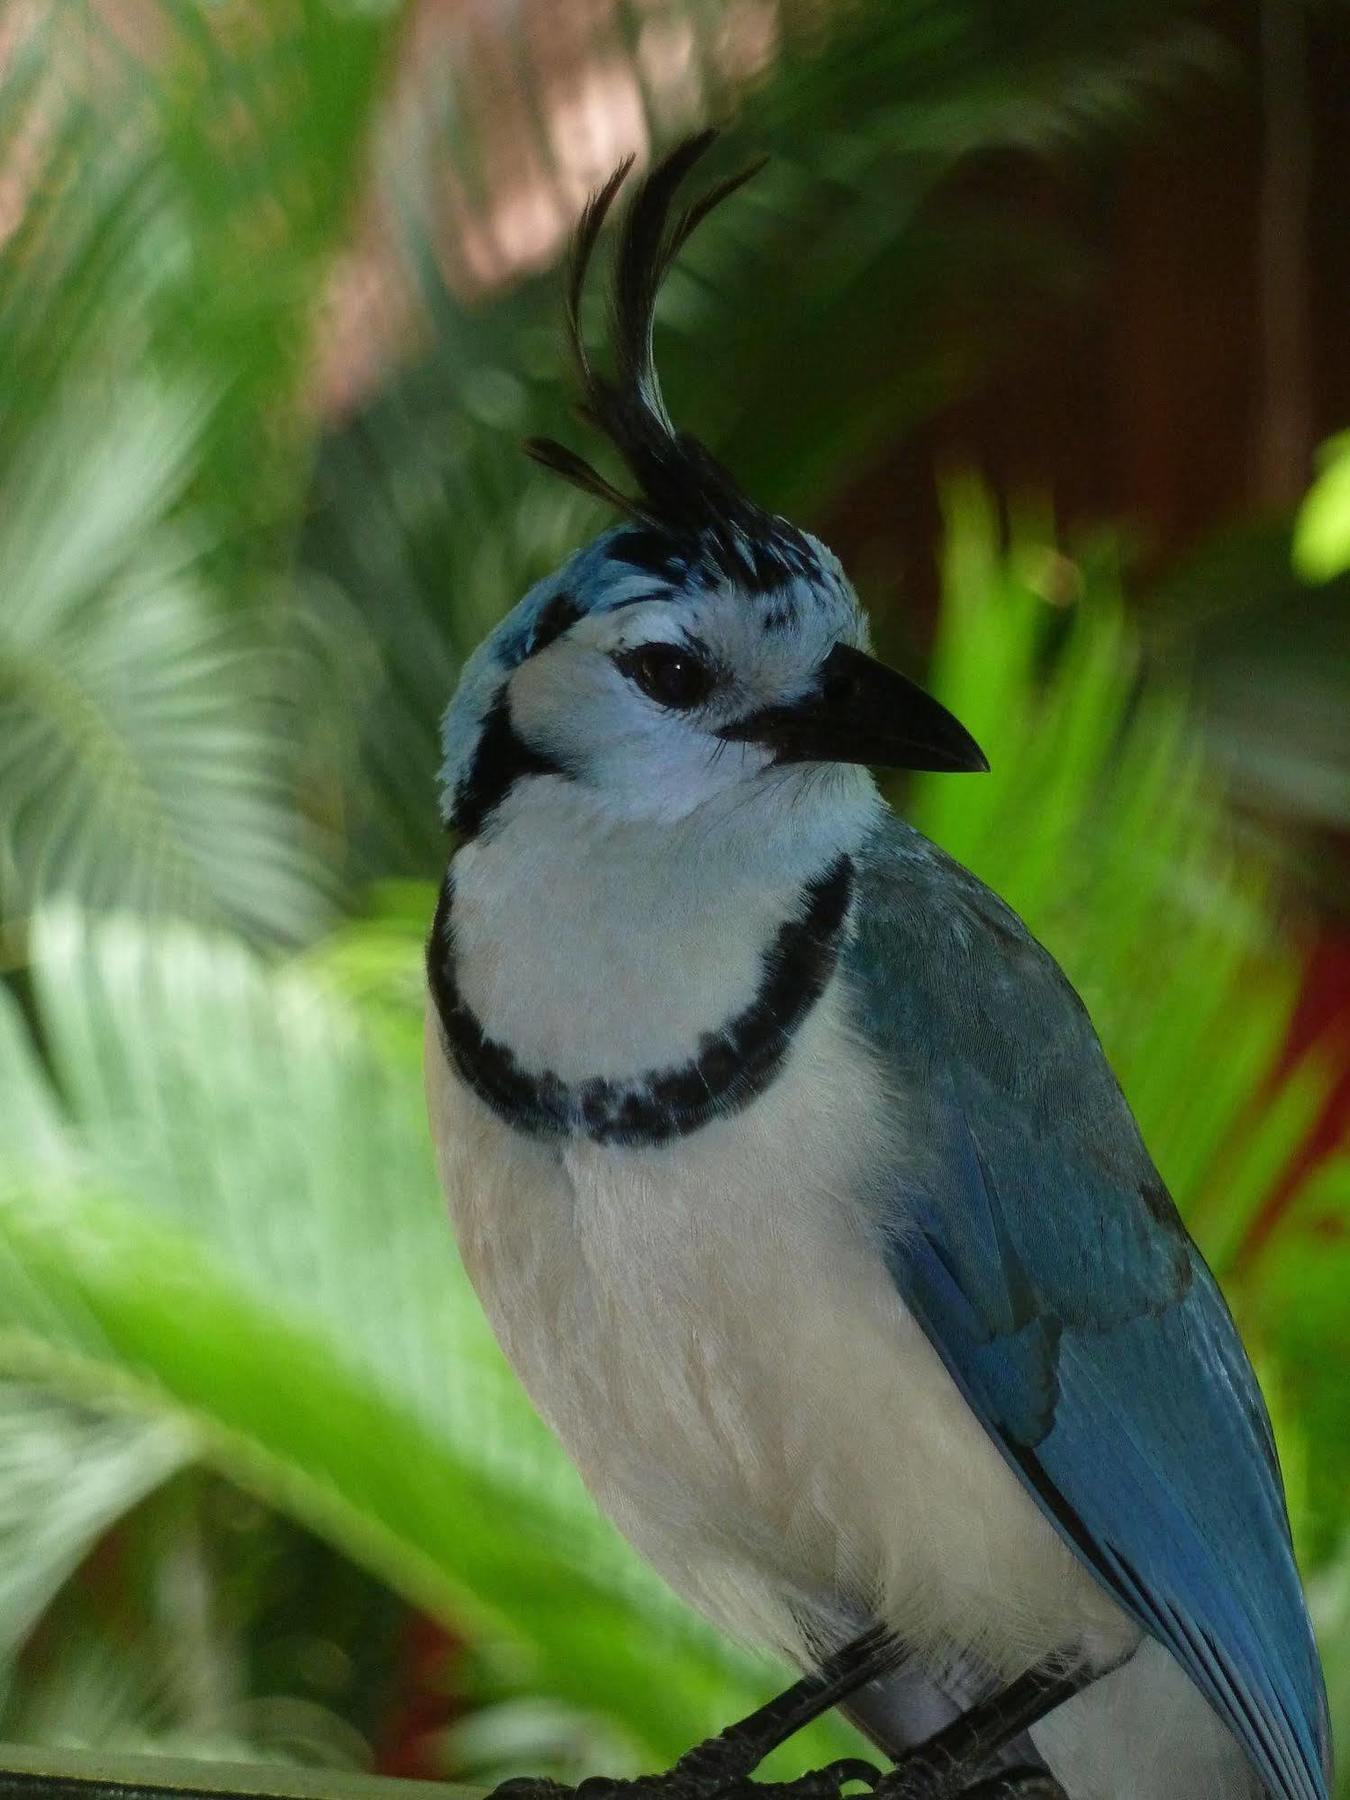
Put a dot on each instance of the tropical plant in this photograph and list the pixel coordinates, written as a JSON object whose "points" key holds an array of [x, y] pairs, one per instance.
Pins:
{"points": [[230, 1238], [1322, 530], [228, 629], [897, 98], [220, 1237]]}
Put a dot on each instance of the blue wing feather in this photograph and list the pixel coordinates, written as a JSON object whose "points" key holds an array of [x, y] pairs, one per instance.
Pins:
{"points": [[1045, 1261]]}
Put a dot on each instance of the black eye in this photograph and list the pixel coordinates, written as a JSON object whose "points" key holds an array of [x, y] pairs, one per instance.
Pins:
{"points": [[672, 674]]}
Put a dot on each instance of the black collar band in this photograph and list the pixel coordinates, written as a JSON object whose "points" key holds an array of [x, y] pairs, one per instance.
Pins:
{"points": [[733, 1064], [501, 760]]}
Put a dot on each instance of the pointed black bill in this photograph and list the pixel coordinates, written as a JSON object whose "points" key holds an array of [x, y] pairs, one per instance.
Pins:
{"points": [[862, 712]]}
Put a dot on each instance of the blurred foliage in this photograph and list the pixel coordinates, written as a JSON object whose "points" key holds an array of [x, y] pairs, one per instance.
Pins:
{"points": [[425, 501], [1322, 529], [237, 1131], [156, 301], [1268, 660], [250, 1415]]}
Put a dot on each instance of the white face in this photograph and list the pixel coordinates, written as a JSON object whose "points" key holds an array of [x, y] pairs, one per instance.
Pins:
{"points": [[631, 701]]}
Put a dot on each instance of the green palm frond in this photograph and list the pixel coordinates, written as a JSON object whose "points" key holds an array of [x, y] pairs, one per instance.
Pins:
{"points": [[67, 1473], [143, 750], [166, 1638], [1101, 826], [158, 295], [1294, 1292], [1329, 1600], [255, 1139], [1321, 548], [220, 1238], [241, 1237]]}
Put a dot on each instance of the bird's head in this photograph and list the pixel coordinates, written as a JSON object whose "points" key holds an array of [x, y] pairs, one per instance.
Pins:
{"points": [[701, 645]]}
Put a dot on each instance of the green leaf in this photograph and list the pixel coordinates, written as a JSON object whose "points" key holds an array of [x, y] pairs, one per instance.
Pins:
{"points": [[1329, 1600], [1293, 1295], [143, 760], [160, 714], [1321, 546], [247, 1241], [1096, 825], [66, 1475]]}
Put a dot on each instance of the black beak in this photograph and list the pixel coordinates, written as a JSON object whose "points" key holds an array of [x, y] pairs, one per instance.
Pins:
{"points": [[862, 712]]}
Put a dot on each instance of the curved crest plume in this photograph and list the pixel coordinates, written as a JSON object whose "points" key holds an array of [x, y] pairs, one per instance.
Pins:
{"points": [[681, 485]]}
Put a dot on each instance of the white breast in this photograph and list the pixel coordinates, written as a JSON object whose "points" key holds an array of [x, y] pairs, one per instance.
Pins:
{"points": [[710, 1331], [596, 948]]}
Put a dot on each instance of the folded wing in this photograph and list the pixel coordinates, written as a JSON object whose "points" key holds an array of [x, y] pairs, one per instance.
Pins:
{"points": [[1041, 1253]]}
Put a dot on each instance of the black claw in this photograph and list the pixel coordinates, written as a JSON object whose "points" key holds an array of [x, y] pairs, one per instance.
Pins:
{"points": [[710, 1783], [921, 1777], [1017, 1784], [852, 1768], [700, 1783], [818, 1784]]}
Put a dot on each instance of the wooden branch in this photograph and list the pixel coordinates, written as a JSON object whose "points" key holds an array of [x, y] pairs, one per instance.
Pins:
{"points": [[49, 1774], [52, 1774]]}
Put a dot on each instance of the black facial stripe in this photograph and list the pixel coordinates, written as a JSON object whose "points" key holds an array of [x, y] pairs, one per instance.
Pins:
{"points": [[561, 613], [501, 759], [733, 1064]]}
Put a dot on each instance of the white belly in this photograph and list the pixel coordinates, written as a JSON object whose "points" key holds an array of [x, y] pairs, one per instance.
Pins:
{"points": [[1144, 1732], [710, 1332]]}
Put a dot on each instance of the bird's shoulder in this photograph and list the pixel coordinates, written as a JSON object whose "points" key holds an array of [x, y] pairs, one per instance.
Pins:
{"points": [[1028, 1166], [957, 996]]}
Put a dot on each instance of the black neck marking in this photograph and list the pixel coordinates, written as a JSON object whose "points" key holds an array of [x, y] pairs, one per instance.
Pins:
{"points": [[500, 761], [733, 1064]]}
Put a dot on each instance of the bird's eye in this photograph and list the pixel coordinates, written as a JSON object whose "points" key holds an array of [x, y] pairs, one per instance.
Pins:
{"points": [[671, 674]]}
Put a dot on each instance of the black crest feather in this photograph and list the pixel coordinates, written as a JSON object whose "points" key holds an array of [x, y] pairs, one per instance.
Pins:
{"points": [[682, 488]]}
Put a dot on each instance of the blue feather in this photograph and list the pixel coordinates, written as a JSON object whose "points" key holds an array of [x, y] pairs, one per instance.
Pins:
{"points": [[1042, 1256]]}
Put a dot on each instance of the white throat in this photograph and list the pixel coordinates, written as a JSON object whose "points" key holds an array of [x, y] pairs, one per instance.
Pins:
{"points": [[595, 947]]}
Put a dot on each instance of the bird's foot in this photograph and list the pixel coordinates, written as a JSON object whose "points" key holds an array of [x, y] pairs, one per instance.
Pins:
{"points": [[922, 1776], [720, 1768], [1017, 1784], [954, 1764], [915, 1778], [695, 1778], [817, 1784]]}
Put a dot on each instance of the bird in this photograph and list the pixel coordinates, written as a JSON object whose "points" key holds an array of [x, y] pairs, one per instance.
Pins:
{"points": [[793, 1178]]}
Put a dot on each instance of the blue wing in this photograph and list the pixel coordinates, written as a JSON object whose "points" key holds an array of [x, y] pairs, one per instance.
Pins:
{"points": [[1048, 1266]]}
